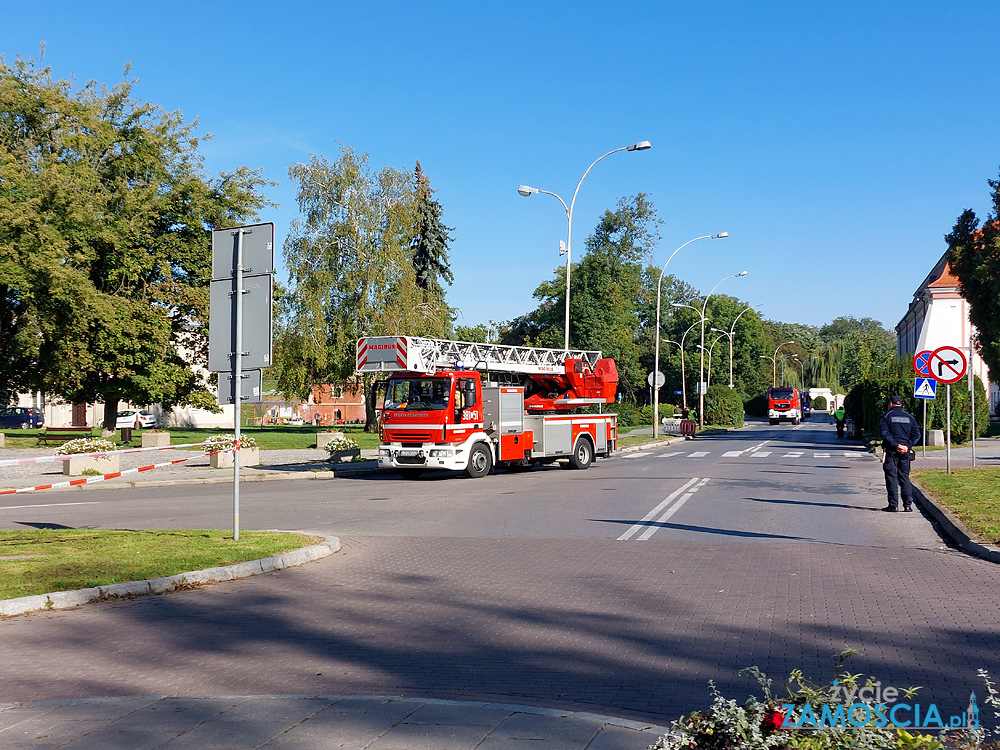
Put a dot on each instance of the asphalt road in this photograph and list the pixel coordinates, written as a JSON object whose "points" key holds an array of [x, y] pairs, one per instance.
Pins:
{"points": [[624, 588]]}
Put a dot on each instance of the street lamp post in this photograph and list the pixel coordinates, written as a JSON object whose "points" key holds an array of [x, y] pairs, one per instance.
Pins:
{"points": [[774, 362], [683, 372], [656, 351], [731, 333], [708, 380], [526, 190], [701, 392], [802, 372]]}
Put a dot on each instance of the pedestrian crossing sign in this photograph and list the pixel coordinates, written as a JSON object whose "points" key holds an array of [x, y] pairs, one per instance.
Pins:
{"points": [[925, 388]]}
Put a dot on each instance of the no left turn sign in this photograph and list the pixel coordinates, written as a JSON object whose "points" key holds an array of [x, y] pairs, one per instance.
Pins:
{"points": [[947, 364]]}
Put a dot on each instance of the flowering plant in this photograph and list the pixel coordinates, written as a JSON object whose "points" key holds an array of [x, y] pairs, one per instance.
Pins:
{"points": [[226, 442], [85, 445], [341, 443], [769, 724]]}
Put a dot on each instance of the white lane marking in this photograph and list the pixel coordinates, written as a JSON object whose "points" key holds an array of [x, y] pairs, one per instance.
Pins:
{"points": [[793, 454], [636, 455], [732, 454], [698, 454], [645, 519], [821, 455], [760, 454], [46, 505], [850, 455], [757, 447], [668, 455], [671, 510]]}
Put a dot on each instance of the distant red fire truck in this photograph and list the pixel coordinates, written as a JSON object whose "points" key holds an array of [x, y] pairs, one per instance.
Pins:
{"points": [[470, 407], [784, 404]]}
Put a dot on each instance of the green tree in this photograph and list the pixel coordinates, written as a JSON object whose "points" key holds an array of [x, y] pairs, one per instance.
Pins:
{"points": [[974, 256], [105, 251], [350, 271], [861, 348], [430, 242]]}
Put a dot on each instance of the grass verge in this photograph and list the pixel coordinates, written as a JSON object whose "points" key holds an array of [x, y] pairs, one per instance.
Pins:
{"points": [[972, 495], [41, 561]]}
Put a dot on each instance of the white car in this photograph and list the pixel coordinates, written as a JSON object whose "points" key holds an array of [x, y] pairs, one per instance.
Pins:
{"points": [[135, 418]]}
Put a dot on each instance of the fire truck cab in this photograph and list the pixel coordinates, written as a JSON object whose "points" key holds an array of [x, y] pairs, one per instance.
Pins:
{"points": [[784, 404], [512, 406]]}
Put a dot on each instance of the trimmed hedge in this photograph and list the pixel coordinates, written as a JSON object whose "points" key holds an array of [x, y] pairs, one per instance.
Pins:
{"points": [[869, 400], [819, 403], [723, 406], [757, 406]]}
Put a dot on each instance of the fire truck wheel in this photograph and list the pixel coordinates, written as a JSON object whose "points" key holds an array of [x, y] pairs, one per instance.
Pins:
{"points": [[409, 473], [583, 455], [480, 462]]}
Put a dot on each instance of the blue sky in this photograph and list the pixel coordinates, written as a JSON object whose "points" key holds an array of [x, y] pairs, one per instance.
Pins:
{"points": [[835, 142]]}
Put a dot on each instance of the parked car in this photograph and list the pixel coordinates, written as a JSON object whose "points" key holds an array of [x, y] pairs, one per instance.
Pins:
{"points": [[135, 418], [21, 417]]}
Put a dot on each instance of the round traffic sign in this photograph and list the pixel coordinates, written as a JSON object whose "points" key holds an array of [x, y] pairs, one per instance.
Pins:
{"points": [[660, 379], [921, 363], [947, 364]]}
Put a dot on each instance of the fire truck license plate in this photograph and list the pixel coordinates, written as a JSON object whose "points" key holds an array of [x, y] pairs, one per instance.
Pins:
{"points": [[408, 453]]}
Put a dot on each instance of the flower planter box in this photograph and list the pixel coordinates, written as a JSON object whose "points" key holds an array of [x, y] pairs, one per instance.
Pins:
{"points": [[155, 439], [103, 464], [322, 438], [224, 460], [346, 456]]}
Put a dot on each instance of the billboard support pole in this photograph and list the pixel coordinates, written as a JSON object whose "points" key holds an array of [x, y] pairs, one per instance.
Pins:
{"points": [[238, 384]]}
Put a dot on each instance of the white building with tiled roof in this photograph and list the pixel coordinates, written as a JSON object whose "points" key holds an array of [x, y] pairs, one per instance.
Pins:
{"points": [[939, 316]]}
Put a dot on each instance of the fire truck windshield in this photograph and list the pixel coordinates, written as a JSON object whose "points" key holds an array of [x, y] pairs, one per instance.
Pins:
{"points": [[417, 394]]}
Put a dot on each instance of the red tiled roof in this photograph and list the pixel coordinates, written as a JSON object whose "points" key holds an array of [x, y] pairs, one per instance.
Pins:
{"points": [[946, 280]]}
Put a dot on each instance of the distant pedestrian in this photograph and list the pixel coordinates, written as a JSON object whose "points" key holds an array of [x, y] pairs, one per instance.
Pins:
{"points": [[840, 416], [899, 434]]}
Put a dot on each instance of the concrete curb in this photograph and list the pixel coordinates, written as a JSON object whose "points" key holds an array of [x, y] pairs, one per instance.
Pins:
{"points": [[68, 599], [651, 444], [953, 527]]}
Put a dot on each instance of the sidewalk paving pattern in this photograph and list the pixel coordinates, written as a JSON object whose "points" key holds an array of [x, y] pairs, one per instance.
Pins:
{"points": [[307, 722]]}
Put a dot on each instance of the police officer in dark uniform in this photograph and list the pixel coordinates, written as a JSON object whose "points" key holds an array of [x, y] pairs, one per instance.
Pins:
{"points": [[899, 434]]}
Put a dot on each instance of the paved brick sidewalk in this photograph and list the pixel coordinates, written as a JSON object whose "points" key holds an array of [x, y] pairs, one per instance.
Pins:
{"points": [[987, 454], [310, 722], [634, 630]]}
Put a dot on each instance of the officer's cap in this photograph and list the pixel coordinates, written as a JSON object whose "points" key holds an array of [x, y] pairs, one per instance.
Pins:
{"points": [[895, 399]]}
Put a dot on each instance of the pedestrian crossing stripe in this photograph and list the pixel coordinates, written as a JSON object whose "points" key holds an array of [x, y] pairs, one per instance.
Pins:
{"points": [[924, 388], [737, 454]]}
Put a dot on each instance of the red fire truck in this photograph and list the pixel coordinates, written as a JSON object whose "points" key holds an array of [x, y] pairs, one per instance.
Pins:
{"points": [[470, 407], [784, 404]]}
